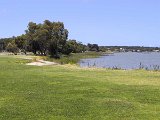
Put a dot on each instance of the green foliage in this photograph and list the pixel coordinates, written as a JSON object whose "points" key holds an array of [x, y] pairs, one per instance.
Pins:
{"points": [[93, 47], [72, 46], [71, 93], [11, 47], [21, 42], [31, 35], [74, 58], [58, 39], [51, 38], [4, 42], [48, 38], [1, 45]]}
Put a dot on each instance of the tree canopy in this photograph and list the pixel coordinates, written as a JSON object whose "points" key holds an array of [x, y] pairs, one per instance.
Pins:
{"points": [[47, 38]]}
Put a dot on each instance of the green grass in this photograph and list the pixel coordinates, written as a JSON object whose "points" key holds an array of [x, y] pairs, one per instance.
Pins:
{"points": [[68, 92]]}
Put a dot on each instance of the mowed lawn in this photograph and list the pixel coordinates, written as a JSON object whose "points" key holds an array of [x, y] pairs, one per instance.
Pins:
{"points": [[72, 93]]}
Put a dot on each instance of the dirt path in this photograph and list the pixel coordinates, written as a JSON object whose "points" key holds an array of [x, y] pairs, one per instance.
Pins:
{"points": [[38, 62], [42, 63]]}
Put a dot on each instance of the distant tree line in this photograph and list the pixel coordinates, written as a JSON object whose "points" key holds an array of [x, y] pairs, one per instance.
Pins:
{"points": [[4, 42], [48, 38], [51, 38], [129, 48]]}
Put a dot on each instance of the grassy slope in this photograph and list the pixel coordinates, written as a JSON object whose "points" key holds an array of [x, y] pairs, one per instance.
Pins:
{"points": [[68, 92]]}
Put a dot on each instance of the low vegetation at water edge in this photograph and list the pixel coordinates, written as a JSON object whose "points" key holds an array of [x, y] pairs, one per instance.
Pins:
{"points": [[74, 58]]}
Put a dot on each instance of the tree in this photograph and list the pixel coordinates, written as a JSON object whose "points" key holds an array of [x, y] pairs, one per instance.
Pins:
{"points": [[93, 47], [11, 47], [41, 36], [21, 42], [67, 48], [75, 47], [30, 34], [1, 45], [49, 36], [58, 39]]}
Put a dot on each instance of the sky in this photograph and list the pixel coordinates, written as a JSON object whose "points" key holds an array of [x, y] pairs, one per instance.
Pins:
{"points": [[103, 22]]}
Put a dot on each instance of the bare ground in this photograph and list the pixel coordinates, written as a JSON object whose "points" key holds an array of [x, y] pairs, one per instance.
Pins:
{"points": [[41, 63]]}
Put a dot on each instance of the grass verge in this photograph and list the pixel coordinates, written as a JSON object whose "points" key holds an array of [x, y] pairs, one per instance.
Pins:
{"points": [[66, 92]]}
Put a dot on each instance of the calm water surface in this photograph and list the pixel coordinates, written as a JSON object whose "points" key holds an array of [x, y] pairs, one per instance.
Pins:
{"points": [[125, 60]]}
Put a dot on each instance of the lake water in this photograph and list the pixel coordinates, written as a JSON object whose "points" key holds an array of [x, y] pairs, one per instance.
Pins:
{"points": [[125, 60]]}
